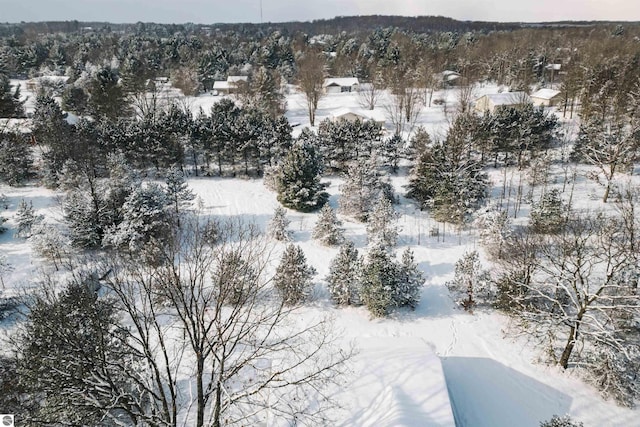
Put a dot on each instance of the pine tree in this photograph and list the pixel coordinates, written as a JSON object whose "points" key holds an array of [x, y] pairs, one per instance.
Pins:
{"points": [[178, 192], [471, 284], [16, 159], [379, 282], [410, 282], [327, 229], [549, 214], [145, 220], [277, 228], [418, 144], [10, 104], [298, 179], [495, 231], [345, 275], [26, 218], [382, 229], [362, 186], [390, 151], [293, 276], [564, 421]]}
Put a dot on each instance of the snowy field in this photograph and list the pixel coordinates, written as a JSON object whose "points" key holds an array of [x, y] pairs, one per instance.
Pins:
{"points": [[434, 366]]}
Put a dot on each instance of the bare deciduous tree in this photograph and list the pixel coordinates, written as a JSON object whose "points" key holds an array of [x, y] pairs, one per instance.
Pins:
{"points": [[209, 314], [311, 80]]}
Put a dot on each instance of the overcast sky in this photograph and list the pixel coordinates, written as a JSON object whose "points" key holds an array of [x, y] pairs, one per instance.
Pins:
{"points": [[212, 11]]}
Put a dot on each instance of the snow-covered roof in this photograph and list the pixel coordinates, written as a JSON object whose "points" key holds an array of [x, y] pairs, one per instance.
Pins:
{"points": [[545, 93], [341, 81], [364, 115], [449, 75], [554, 67], [236, 79], [508, 98], [221, 85]]}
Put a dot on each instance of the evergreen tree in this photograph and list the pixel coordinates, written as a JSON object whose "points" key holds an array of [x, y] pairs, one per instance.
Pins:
{"points": [[345, 275], [16, 160], [145, 221], [293, 276], [10, 103], [379, 282], [298, 179], [471, 284], [418, 144], [178, 192], [106, 97], [382, 229], [327, 229], [363, 185], [26, 218], [549, 214], [495, 232], [390, 151], [564, 421], [277, 228], [410, 282]]}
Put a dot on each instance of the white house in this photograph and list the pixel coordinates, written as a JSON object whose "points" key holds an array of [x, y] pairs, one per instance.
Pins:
{"points": [[546, 97], [353, 114], [341, 84], [225, 87], [491, 101]]}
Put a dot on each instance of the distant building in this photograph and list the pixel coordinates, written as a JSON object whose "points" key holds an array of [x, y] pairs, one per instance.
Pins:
{"points": [[450, 78], [230, 85], [491, 101], [341, 84], [546, 97], [351, 115]]}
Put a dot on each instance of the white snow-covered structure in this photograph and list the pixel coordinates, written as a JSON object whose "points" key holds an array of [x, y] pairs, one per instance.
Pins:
{"points": [[492, 101], [546, 97], [225, 87], [450, 78], [353, 114], [341, 84]]}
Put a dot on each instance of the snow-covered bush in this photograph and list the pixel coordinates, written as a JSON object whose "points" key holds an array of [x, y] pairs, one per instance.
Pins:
{"points": [[564, 421], [615, 372], [293, 276], [345, 276], [178, 192], [494, 228], [48, 242], [277, 228], [327, 229]]}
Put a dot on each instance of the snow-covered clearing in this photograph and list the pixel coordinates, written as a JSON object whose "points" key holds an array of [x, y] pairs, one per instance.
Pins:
{"points": [[416, 368]]}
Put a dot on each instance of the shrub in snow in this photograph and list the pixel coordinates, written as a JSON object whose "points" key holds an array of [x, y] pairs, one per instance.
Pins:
{"points": [[345, 276], [549, 214], [48, 242], [564, 421], [5, 267], [495, 232], [277, 228], [327, 229], [293, 276], [471, 284], [382, 229], [298, 179], [614, 371]]}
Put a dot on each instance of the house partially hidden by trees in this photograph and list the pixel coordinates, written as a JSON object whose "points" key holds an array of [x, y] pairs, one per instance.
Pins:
{"points": [[450, 78], [354, 114], [341, 84], [231, 85], [492, 101], [546, 98]]}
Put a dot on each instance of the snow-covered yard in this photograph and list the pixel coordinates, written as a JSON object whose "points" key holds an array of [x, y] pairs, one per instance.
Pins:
{"points": [[434, 366]]}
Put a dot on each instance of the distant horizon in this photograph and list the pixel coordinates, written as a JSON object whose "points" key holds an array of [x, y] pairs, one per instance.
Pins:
{"points": [[207, 12]]}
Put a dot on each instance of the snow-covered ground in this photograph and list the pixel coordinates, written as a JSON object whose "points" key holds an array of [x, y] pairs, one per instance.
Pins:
{"points": [[417, 368]]}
